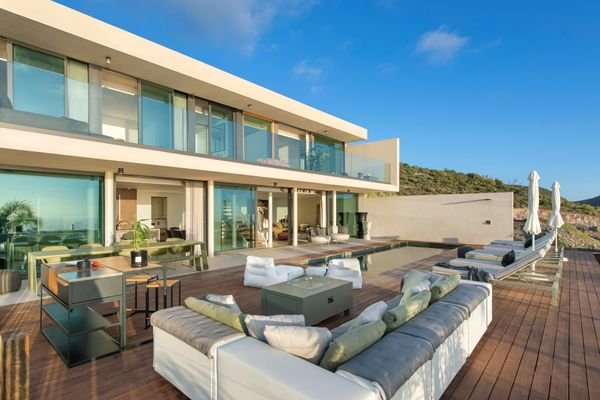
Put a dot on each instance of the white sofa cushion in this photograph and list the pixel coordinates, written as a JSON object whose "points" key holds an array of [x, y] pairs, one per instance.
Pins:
{"points": [[255, 324], [306, 342], [260, 262], [261, 272], [225, 300], [374, 312], [346, 269], [344, 263]]}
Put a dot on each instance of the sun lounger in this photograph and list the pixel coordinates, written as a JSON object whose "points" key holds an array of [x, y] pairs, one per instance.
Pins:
{"points": [[519, 273], [520, 244], [496, 254]]}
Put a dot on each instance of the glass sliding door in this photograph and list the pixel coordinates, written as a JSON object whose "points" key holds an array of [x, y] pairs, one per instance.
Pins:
{"points": [[235, 217], [180, 124], [38, 82], [257, 139], [119, 106], [39, 210], [346, 208], [222, 135], [327, 155], [157, 116], [201, 126], [290, 147]]}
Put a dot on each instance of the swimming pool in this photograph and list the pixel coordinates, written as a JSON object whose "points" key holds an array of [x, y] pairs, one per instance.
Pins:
{"points": [[380, 259]]}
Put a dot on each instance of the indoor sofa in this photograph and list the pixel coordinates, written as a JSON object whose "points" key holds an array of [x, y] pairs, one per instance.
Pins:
{"points": [[207, 359]]}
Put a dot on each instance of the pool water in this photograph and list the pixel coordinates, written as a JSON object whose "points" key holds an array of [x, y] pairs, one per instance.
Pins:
{"points": [[379, 260], [376, 263]]}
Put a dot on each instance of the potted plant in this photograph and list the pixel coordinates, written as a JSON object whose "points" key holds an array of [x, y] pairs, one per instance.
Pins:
{"points": [[141, 232], [14, 216]]}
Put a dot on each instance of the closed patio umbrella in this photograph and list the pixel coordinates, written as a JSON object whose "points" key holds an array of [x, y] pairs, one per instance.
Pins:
{"points": [[556, 220], [532, 225]]}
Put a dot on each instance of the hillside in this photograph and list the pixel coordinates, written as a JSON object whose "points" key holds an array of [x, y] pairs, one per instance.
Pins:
{"points": [[592, 202], [582, 220], [418, 181]]}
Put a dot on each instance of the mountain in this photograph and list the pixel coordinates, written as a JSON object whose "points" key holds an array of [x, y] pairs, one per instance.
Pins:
{"points": [[416, 180], [595, 202]]}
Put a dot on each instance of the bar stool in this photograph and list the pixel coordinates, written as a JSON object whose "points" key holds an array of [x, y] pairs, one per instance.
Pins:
{"points": [[156, 285], [136, 280]]}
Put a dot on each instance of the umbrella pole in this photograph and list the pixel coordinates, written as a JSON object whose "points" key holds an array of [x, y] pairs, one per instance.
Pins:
{"points": [[533, 245], [556, 241]]}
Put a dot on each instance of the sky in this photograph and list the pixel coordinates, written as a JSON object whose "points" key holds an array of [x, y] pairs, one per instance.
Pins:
{"points": [[498, 88]]}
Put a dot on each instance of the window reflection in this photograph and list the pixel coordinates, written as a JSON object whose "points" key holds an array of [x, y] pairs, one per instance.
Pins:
{"points": [[257, 139], [38, 82], [157, 119], [40, 210], [222, 139], [235, 213], [290, 147], [119, 107]]}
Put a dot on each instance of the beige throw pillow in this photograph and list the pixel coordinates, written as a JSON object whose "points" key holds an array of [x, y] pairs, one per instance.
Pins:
{"points": [[303, 341], [255, 324]]}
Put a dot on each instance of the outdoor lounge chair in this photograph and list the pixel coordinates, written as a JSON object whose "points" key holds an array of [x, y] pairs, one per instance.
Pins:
{"points": [[261, 272], [496, 254], [521, 272], [542, 240]]}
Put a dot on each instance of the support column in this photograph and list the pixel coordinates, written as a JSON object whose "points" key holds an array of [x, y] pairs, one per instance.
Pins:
{"points": [[109, 208], [323, 221], [294, 216], [334, 208], [210, 218], [270, 218]]}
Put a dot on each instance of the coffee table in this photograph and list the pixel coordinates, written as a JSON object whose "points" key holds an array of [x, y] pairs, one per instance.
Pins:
{"points": [[316, 297]]}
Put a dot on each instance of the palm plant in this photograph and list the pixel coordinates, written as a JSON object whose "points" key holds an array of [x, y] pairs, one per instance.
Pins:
{"points": [[16, 213]]}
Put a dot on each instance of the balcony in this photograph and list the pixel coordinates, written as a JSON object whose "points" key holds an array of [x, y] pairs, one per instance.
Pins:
{"points": [[127, 110]]}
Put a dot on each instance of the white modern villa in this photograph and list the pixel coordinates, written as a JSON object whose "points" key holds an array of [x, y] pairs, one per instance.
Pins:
{"points": [[99, 126]]}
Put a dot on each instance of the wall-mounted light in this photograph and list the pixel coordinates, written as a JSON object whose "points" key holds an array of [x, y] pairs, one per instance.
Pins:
{"points": [[275, 184], [249, 106], [326, 131], [108, 60], [120, 171], [488, 222]]}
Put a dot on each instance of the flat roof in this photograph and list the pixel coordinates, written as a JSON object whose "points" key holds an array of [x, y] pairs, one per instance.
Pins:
{"points": [[62, 30]]}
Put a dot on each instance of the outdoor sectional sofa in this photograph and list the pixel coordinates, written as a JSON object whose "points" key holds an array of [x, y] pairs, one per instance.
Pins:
{"points": [[206, 359]]}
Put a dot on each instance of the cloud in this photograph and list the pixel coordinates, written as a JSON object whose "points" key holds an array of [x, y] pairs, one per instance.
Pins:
{"points": [[316, 89], [440, 46], [239, 24], [311, 72], [387, 69], [386, 3]]}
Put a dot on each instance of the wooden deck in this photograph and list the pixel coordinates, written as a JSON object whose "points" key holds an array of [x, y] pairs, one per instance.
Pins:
{"points": [[531, 350]]}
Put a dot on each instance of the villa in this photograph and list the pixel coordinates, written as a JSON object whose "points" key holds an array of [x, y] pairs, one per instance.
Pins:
{"points": [[114, 127], [170, 230]]}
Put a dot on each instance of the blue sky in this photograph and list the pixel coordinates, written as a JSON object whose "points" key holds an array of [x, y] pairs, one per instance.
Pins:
{"points": [[497, 88]]}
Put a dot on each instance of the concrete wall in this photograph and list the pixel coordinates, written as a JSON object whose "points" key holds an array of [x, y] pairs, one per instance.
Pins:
{"points": [[442, 218], [307, 210]]}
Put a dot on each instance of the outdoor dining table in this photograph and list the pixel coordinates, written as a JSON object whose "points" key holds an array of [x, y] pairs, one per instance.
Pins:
{"points": [[98, 252]]}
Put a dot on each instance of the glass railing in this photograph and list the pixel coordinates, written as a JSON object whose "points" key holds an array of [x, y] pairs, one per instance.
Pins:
{"points": [[44, 99]]}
